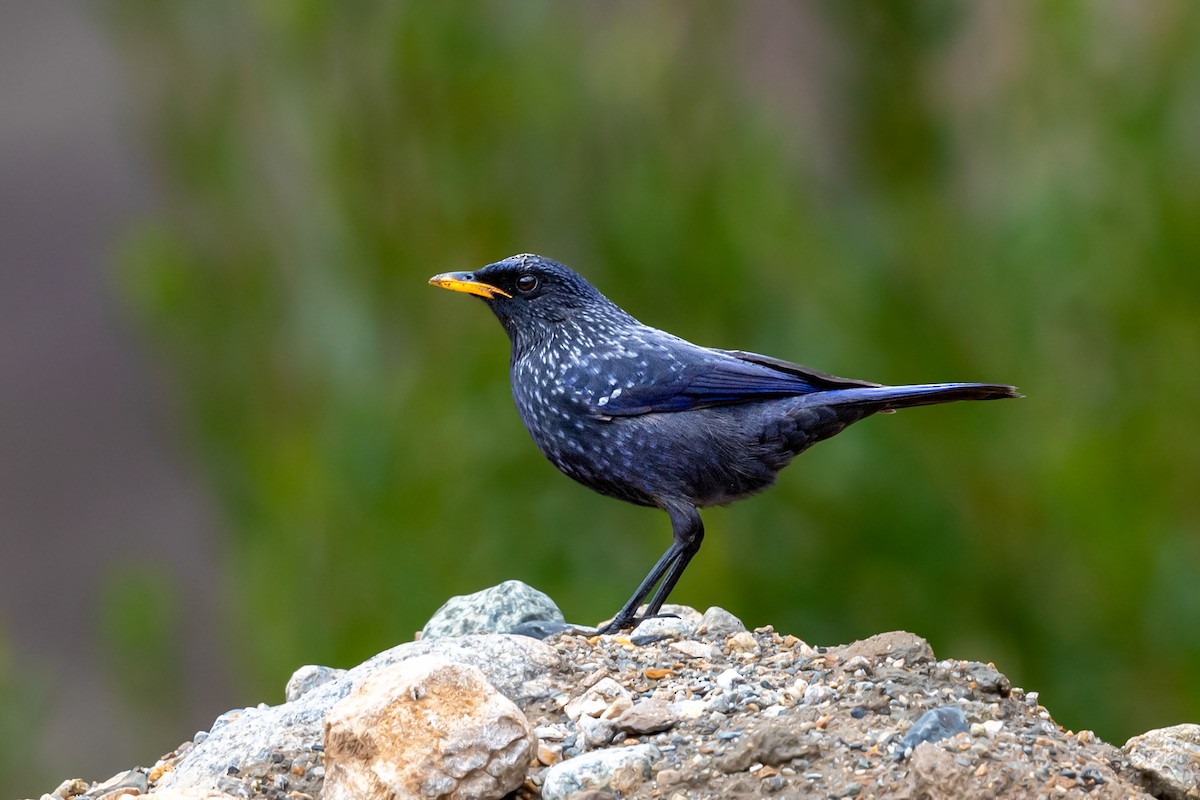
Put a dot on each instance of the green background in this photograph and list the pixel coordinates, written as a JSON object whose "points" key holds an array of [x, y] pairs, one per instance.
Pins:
{"points": [[900, 192]]}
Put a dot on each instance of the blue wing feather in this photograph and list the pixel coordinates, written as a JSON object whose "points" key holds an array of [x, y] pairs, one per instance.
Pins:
{"points": [[714, 378]]}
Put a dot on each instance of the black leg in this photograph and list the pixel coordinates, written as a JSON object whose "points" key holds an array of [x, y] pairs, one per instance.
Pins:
{"points": [[687, 532]]}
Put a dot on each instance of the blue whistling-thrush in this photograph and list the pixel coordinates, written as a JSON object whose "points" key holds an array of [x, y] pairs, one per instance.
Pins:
{"points": [[639, 414]]}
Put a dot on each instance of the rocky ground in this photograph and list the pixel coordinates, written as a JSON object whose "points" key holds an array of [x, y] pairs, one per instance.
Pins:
{"points": [[500, 699]]}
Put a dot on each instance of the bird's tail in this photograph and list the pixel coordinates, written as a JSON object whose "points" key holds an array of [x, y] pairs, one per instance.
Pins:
{"points": [[889, 398]]}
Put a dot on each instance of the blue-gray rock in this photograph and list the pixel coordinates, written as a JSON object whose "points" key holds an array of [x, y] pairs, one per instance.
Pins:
{"points": [[934, 725], [622, 769], [500, 609]]}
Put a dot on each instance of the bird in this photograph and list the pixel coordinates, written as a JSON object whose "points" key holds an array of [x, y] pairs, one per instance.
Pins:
{"points": [[642, 415]]}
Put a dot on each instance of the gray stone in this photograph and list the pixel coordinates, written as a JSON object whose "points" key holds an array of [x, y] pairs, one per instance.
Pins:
{"points": [[620, 769], [649, 716], [720, 622], [1168, 759], [499, 609], [595, 732], [308, 678]]}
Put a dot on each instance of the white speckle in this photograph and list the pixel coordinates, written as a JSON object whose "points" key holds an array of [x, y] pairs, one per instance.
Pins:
{"points": [[603, 401], [616, 393]]}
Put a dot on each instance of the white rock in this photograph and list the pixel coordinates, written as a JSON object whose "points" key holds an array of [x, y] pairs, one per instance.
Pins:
{"points": [[664, 626], [553, 732], [689, 709], [692, 648], [427, 727], [622, 769], [598, 699], [729, 678]]}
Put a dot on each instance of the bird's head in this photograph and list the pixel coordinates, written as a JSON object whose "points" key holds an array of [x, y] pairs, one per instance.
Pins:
{"points": [[531, 294]]}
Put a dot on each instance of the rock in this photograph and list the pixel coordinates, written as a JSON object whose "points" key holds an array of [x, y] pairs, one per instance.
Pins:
{"points": [[776, 741], [675, 620], [689, 709], [896, 645], [426, 727], [540, 628], [253, 741], [618, 769], [191, 794], [549, 754], [719, 622], [756, 714], [662, 627], [988, 679], [1168, 760], [934, 774], [498, 609], [70, 788], [595, 732], [693, 649], [132, 782], [729, 678], [606, 698], [650, 716], [936, 724], [309, 677], [742, 642]]}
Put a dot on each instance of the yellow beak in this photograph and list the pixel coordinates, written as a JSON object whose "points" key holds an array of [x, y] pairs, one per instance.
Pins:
{"points": [[465, 282]]}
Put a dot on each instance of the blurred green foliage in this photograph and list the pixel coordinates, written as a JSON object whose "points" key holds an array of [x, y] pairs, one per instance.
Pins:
{"points": [[896, 191], [138, 621], [23, 705]]}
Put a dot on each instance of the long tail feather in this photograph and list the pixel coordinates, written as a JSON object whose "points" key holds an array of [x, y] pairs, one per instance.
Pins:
{"points": [[890, 398]]}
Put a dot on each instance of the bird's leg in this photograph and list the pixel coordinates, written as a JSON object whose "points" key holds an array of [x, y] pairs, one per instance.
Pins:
{"points": [[688, 532]]}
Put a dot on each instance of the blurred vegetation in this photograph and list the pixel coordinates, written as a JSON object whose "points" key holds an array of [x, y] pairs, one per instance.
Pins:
{"points": [[901, 192], [23, 705]]}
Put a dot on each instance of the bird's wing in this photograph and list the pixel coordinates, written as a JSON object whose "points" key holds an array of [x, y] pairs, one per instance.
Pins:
{"points": [[696, 377], [820, 380]]}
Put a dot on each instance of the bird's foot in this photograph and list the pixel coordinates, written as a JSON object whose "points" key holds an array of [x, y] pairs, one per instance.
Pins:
{"points": [[622, 622]]}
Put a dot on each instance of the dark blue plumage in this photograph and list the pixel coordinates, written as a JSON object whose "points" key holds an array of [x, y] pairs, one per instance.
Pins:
{"points": [[639, 414]]}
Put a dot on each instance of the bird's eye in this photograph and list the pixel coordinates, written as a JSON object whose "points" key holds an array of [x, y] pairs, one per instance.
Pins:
{"points": [[527, 283]]}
